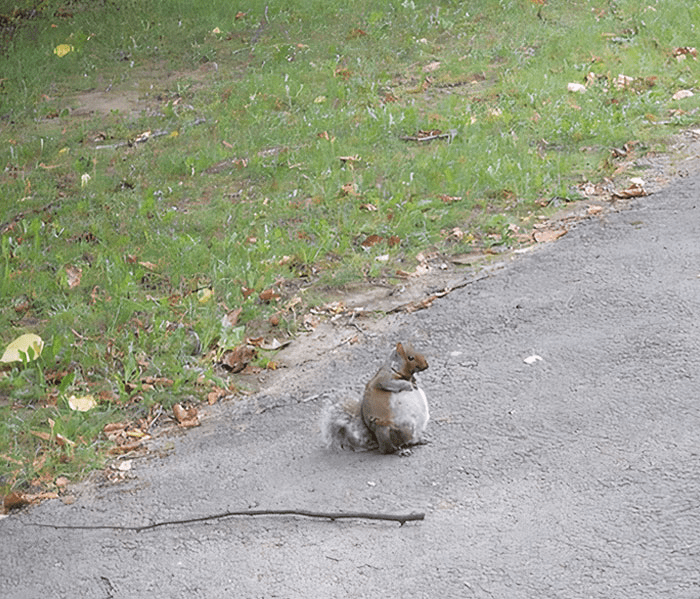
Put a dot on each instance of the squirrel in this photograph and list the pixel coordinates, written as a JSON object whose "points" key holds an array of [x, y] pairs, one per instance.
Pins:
{"points": [[393, 412]]}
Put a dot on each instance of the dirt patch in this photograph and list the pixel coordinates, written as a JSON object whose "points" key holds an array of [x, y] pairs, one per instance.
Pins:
{"points": [[104, 102]]}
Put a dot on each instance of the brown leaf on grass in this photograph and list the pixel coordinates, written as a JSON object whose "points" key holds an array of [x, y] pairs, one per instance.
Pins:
{"points": [[371, 240], [149, 265], [368, 207], [682, 94], [454, 234], [7, 458], [576, 88], [269, 295], [186, 417], [393, 240], [326, 136], [431, 66], [343, 73], [239, 15], [682, 52], [623, 81], [349, 159], [157, 380], [237, 359], [247, 291], [41, 435], [449, 199], [73, 275], [547, 235], [230, 319], [63, 441], [349, 189], [355, 33]]}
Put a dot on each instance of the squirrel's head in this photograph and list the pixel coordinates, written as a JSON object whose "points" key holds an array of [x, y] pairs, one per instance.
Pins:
{"points": [[411, 360]]}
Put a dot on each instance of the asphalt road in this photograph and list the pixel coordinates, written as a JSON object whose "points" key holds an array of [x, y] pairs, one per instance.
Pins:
{"points": [[575, 476]]}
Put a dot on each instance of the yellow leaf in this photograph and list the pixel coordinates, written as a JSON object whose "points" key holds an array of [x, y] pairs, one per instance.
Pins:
{"points": [[204, 295], [82, 403], [62, 49], [29, 345]]}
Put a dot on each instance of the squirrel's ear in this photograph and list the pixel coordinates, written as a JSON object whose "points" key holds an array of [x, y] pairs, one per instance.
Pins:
{"points": [[399, 348]]}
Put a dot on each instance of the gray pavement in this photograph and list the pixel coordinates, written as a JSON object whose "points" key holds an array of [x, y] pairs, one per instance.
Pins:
{"points": [[575, 476]]}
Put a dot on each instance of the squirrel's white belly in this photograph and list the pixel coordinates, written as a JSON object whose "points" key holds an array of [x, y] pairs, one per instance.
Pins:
{"points": [[410, 410]]}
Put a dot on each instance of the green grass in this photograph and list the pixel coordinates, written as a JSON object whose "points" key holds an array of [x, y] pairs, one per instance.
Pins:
{"points": [[241, 184]]}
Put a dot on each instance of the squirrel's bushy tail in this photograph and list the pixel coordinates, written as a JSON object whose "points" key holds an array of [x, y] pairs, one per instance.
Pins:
{"points": [[342, 427]]}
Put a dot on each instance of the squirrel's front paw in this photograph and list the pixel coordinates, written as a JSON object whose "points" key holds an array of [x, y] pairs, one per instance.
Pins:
{"points": [[405, 452]]}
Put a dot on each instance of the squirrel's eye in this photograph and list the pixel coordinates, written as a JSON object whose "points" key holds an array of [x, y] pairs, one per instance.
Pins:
{"points": [[411, 358]]}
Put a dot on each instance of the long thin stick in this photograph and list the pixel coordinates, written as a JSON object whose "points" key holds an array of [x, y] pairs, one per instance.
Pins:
{"points": [[401, 518]]}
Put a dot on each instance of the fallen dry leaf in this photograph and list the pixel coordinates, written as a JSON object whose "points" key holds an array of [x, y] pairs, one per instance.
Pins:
{"points": [[576, 88], [368, 207], [310, 321], [230, 319], [431, 66], [684, 51], [622, 81], [84, 403], [125, 448], [15, 500], [237, 359], [371, 240], [73, 275], [454, 234], [41, 435], [63, 441], [214, 395], [349, 189], [28, 345], [113, 426], [682, 94], [635, 190], [547, 235], [186, 417], [269, 295], [204, 295]]}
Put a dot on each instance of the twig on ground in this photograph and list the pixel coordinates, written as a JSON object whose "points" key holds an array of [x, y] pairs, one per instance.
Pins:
{"points": [[401, 518]]}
